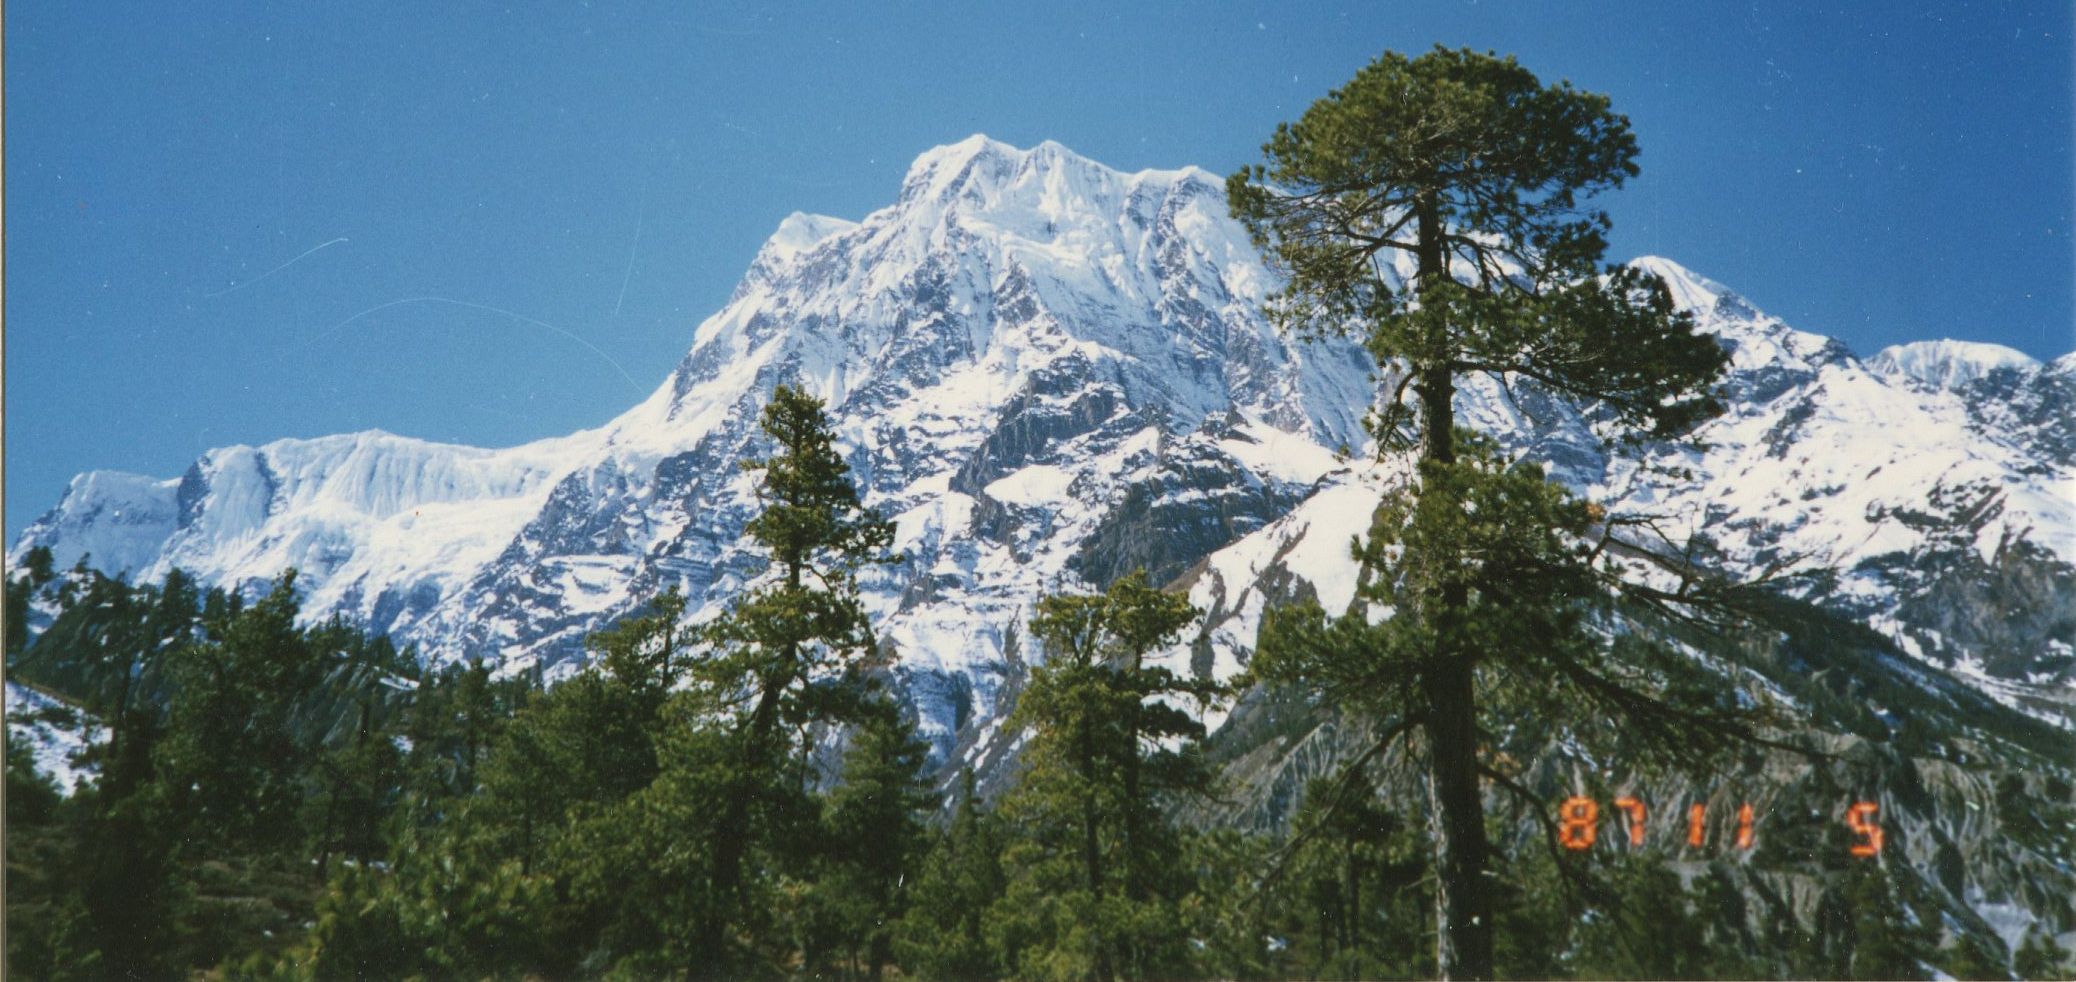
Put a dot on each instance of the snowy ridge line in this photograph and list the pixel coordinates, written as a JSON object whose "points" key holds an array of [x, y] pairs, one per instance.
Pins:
{"points": [[1046, 372]]}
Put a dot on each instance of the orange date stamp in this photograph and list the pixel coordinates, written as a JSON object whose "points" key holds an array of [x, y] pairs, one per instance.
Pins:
{"points": [[1578, 824]]}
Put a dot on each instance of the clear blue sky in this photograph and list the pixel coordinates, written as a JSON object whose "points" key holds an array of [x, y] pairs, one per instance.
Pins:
{"points": [[1881, 172]]}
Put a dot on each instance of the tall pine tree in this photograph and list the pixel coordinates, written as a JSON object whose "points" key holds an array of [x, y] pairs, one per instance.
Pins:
{"points": [[1468, 173], [874, 824], [787, 655], [944, 935], [1094, 888]]}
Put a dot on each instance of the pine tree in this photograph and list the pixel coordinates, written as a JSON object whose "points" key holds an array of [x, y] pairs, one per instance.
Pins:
{"points": [[1646, 928], [1353, 873], [1471, 171], [1731, 948], [944, 936], [1097, 767], [126, 865], [232, 758], [32, 798], [787, 654], [875, 833], [1234, 929], [591, 741], [450, 907], [2039, 957], [36, 571], [359, 772], [455, 717], [1974, 958], [1889, 939]]}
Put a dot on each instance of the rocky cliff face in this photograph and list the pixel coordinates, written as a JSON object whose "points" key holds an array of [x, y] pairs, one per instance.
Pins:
{"points": [[1049, 372]]}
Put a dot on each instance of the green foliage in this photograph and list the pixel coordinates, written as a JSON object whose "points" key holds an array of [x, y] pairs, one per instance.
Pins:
{"points": [[456, 716], [2039, 957], [1974, 958], [457, 911], [32, 799], [130, 893], [231, 755], [1533, 907], [589, 743], [1889, 939], [1353, 885], [1475, 171], [1228, 928], [960, 879], [36, 572], [874, 827], [1648, 929], [1092, 889]]}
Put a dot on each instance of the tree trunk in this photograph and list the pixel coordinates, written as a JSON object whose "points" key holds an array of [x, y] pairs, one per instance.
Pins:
{"points": [[324, 838], [729, 847], [877, 955], [1354, 897], [122, 709], [1134, 887], [1463, 898], [1091, 847]]}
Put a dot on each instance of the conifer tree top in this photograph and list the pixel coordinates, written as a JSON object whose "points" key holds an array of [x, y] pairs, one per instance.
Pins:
{"points": [[1475, 173]]}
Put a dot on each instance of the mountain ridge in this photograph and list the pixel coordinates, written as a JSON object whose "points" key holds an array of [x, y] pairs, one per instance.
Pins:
{"points": [[1046, 371]]}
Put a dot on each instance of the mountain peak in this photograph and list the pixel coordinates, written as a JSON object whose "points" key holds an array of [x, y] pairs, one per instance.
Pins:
{"points": [[939, 168], [991, 169], [1948, 364], [1693, 291], [799, 232]]}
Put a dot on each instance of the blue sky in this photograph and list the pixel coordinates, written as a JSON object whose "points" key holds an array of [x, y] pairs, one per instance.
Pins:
{"points": [[229, 223]]}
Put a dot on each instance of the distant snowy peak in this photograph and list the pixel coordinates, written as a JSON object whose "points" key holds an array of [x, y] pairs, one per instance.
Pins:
{"points": [[1758, 341], [1949, 364], [980, 167], [118, 521], [1690, 290], [355, 502], [797, 233]]}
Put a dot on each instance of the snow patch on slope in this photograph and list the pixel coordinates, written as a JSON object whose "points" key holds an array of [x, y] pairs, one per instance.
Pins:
{"points": [[56, 735]]}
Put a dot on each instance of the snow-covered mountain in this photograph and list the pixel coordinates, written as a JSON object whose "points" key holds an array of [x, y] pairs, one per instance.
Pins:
{"points": [[1049, 372], [1939, 494], [1949, 364]]}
